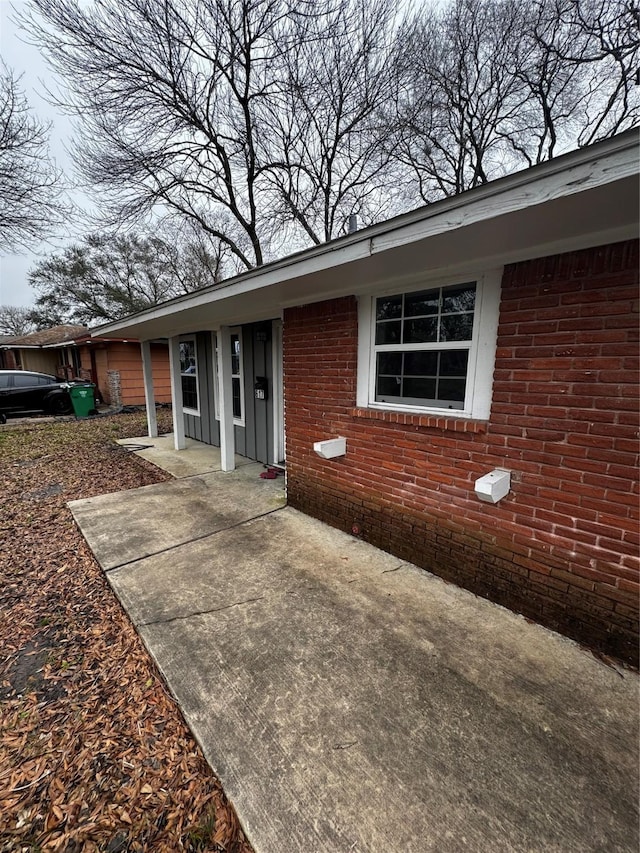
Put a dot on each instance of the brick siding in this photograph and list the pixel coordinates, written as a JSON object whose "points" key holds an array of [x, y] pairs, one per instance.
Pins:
{"points": [[562, 547]]}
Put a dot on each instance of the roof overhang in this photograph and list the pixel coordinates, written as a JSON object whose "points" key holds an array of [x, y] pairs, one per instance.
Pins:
{"points": [[586, 198], [57, 345]]}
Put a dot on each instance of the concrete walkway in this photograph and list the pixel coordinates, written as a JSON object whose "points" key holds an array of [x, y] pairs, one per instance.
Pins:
{"points": [[351, 702]]}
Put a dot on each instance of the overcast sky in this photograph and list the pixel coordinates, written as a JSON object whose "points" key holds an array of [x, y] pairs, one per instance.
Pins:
{"points": [[26, 60]]}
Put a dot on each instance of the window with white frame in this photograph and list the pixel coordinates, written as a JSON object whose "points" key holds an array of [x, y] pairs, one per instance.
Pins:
{"points": [[237, 381], [189, 375], [430, 349], [237, 377]]}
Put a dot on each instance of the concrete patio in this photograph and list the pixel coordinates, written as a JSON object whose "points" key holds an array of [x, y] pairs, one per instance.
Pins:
{"points": [[352, 702]]}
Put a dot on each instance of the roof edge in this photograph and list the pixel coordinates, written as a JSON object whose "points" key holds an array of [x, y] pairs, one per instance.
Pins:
{"points": [[624, 142]]}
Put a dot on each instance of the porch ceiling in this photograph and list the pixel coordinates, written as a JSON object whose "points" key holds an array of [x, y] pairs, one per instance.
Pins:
{"points": [[525, 219]]}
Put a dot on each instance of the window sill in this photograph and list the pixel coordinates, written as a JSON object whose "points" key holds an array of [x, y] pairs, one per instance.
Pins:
{"points": [[441, 422]]}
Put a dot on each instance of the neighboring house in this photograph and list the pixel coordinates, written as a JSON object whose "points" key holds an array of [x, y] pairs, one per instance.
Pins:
{"points": [[492, 332], [7, 360], [47, 351], [115, 366]]}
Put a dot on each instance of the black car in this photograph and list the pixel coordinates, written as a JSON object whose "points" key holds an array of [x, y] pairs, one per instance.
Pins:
{"points": [[25, 393]]}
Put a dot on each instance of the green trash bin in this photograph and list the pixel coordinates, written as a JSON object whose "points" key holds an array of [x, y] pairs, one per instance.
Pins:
{"points": [[82, 400]]}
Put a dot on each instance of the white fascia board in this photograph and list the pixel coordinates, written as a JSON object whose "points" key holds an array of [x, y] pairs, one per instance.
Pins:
{"points": [[20, 346], [257, 279], [524, 190], [606, 162]]}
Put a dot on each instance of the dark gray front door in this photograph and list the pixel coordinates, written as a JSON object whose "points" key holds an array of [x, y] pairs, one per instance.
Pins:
{"points": [[255, 439]]}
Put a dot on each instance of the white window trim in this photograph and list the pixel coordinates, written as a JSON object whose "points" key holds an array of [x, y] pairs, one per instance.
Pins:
{"points": [[187, 409], [482, 352], [236, 330]]}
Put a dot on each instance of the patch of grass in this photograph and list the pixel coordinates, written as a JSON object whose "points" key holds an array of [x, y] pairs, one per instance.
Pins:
{"points": [[201, 835]]}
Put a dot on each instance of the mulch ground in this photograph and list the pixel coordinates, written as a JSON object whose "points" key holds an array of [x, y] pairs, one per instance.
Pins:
{"points": [[94, 753]]}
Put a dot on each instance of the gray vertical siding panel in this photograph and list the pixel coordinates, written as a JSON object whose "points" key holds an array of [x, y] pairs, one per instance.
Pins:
{"points": [[188, 425], [214, 426], [202, 425], [207, 389], [262, 367], [255, 439], [249, 402]]}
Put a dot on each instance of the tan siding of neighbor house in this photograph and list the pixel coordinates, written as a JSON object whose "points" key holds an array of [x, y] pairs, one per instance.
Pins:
{"points": [[102, 365], [41, 361], [126, 360]]}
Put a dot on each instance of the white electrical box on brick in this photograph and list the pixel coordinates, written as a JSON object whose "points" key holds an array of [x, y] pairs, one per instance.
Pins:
{"points": [[493, 486], [331, 448]]}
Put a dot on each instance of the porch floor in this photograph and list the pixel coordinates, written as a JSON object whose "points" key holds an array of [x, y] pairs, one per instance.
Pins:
{"points": [[352, 702]]}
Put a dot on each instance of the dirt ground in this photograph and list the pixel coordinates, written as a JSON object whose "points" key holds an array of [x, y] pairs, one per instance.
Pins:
{"points": [[94, 753]]}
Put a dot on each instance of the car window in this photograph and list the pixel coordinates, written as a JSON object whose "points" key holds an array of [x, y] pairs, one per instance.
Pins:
{"points": [[46, 380], [5, 381], [26, 381]]}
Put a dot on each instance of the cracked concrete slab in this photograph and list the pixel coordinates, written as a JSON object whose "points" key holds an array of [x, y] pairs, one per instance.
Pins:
{"points": [[196, 458], [126, 526], [351, 702]]}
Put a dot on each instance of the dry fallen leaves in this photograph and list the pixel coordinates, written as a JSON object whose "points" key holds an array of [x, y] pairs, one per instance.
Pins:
{"points": [[94, 754]]}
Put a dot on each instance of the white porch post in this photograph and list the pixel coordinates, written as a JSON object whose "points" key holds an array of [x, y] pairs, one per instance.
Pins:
{"points": [[176, 394], [149, 396], [227, 437]]}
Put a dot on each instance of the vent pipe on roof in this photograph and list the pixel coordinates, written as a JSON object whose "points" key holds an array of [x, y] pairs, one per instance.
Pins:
{"points": [[353, 223]]}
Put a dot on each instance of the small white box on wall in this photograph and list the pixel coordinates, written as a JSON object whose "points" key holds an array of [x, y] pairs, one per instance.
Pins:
{"points": [[331, 448], [493, 486]]}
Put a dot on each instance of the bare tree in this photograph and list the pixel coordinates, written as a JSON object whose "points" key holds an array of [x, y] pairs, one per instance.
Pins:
{"points": [[108, 276], [578, 61], [489, 86], [15, 321], [327, 157], [456, 94], [253, 119], [30, 184], [168, 96], [266, 123], [599, 40]]}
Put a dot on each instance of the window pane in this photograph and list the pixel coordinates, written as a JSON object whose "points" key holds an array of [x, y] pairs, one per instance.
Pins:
{"points": [[388, 333], [420, 331], [388, 386], [235, 355], [417, 372], [187, 357], [421, 363], [235, 388], [390, 363], [461, 298], [421, 303], [456, 327], [453, 362], [388, 307], [451, 389], [422, 388], [189, 392]]}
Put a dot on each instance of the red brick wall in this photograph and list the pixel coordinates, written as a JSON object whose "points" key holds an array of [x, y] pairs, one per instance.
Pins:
{"points": [[562, 548]]}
